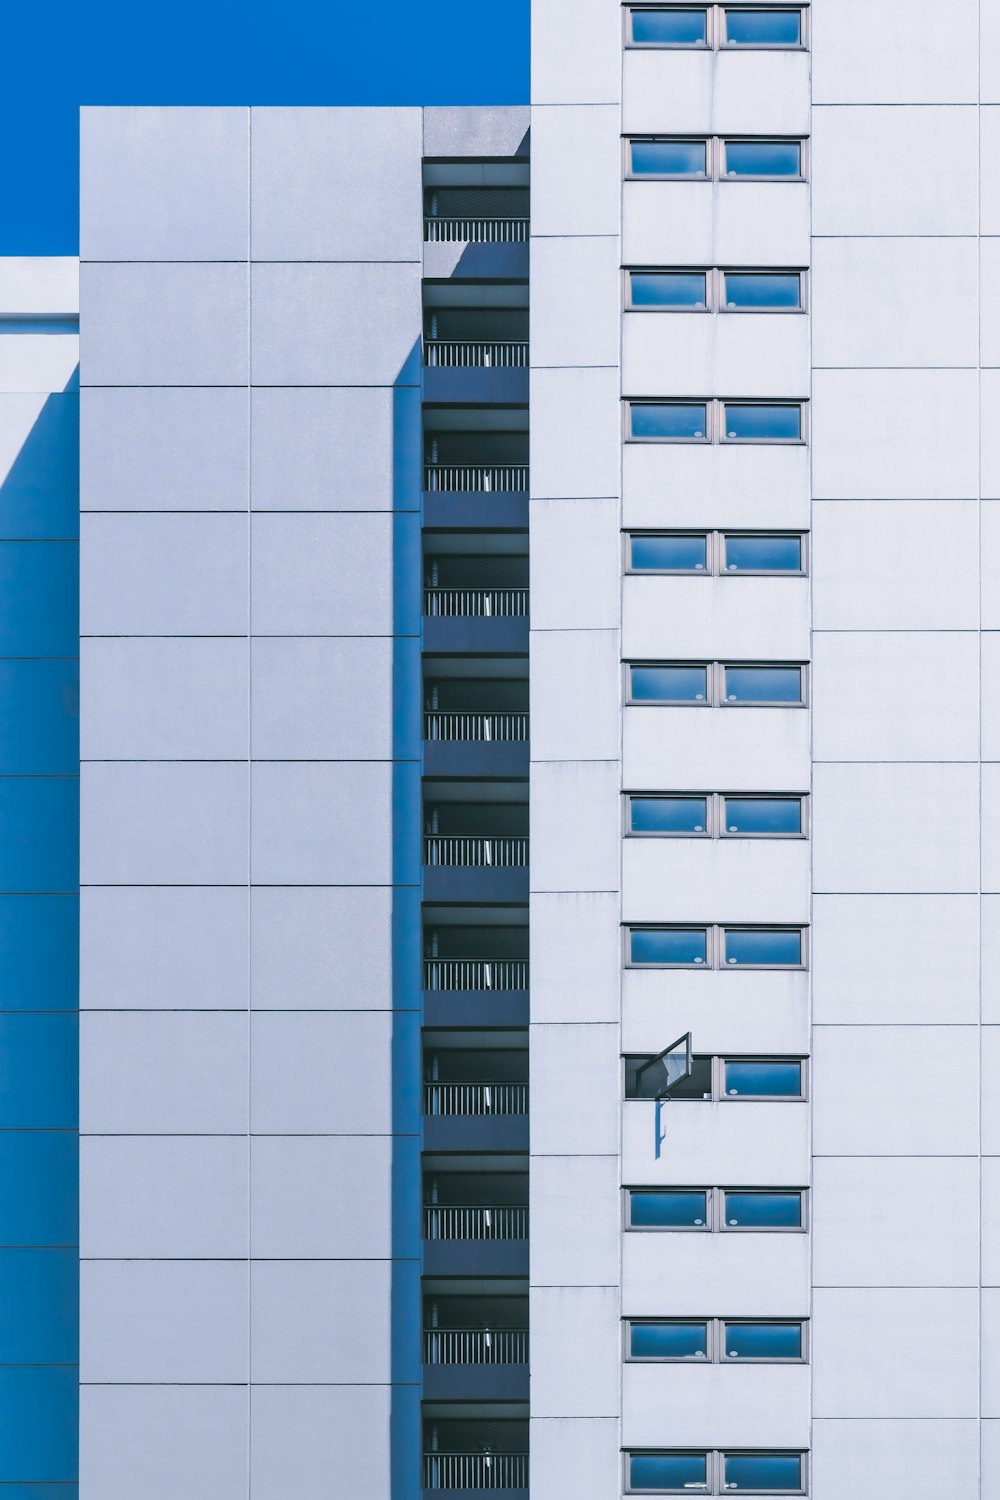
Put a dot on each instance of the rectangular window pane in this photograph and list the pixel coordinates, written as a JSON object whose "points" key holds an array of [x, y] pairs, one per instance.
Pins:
{"points": [[749, 1079], [749, 1210], [664, 419], [762, 423], [763, 554], [764, 28], [678, 1209], [668, 945], [670, 28], [645, 1082], [762, 815], [763, 685], [670, 554], [763, 159], [763, 1472], [668, 289], [763, 1340], [668, 814], [669, 158], [668, 1471], [774, 947], [668, 1341], [781, 289], [669, 684]]}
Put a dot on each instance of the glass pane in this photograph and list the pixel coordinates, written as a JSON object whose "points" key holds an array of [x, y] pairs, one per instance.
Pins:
{"points": [[763, 1471], [668, 945], [669, 158], [669, 814], [767, 815], [678, 554], [775, 947], [764, 1210], [764, 28], [760, 423], [768, 554], [669, 684], [774, 1079], [668, 1471], [763, 685], [669, 1341], [764, 1340], [669, 420], [669, 1210], [668, 289], [676, 28], [756, 289], [763, 159]]}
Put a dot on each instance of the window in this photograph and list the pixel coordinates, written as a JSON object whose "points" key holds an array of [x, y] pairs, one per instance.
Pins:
{"points": [[714, 290], [717, 684], [715, 1340], [715, 26], [714, 815], [715, 947], [716, 1210], [715, 421], [682, 1471], [668, 1208], [716, 158], [754, 1208], [724, 1080], [715, 552]]}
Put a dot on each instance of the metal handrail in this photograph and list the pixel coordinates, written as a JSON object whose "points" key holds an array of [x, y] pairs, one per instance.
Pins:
{"points": [[476, 853], [475, 1346], [478, 478], [481, 1099], [456, 1221], [478, 229], [476, 354], [480, 727], [475, 974], [480, 604]]}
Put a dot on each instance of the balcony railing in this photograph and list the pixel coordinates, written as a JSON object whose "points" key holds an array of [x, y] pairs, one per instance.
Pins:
{"points": [[475, 974], [478, 229], [475, 1471], [483, 479], [479, 604], [475, 1346], [450, 1221], [475, 853], [476, 354], [452, 1099], [480, 727]]}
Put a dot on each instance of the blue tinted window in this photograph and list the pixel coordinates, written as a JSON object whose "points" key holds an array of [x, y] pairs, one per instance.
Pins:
{"points": [[763, 554], [677, 554], [669, 814], [776, 947], [764, 1210], [764, 1340], [762, 289], [669, 420], [760, 423], [670, 28], [669, 158], [763, 1471], [668, 945], [669, 684], [762, 815], [773, 1079], [668, 289], [763, 685], [668, 1471], [669, 1210], [669, 1341], [763, 159], [764, 28]]}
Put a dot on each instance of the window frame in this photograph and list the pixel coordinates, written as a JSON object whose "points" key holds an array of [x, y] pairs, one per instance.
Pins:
{"points": [[720, 142], [715, 29], [715, 552], [715, 959], [722, 700], [708, 45], [708, 141], [718, 1062], [715, 685], [630, 833], [801, 797], [708, 1227], [725, 572], [715, 155], [710, 687], [715, 407], [715, 1468], [715, 817], [722, 272], [715, 1342], [719, 1205], [724, 45], [715, 285], [715, 1212]]}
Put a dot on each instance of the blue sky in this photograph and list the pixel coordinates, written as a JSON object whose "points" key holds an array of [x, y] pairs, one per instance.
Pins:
{"points": [[64, 53]]}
